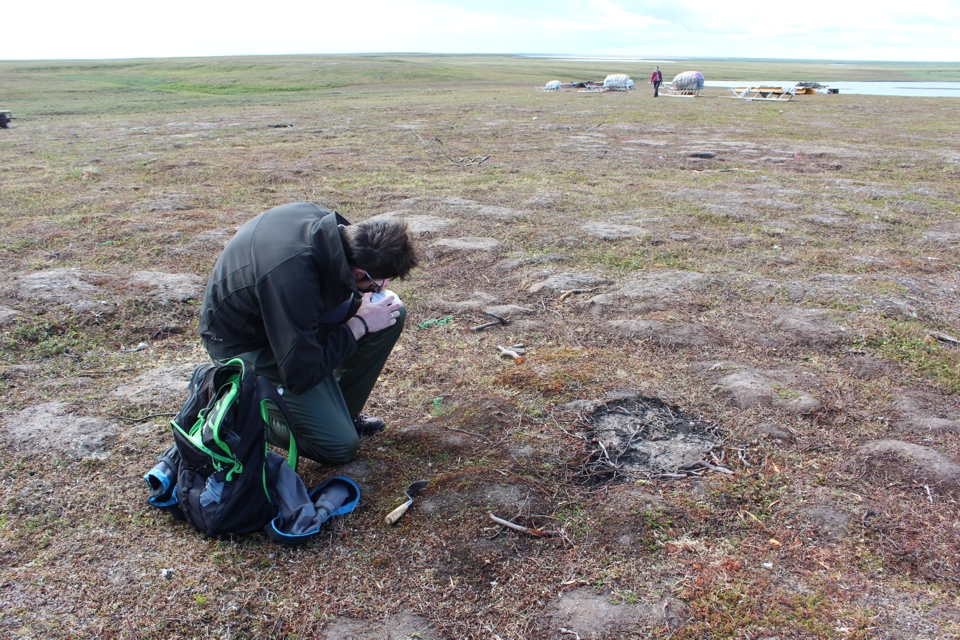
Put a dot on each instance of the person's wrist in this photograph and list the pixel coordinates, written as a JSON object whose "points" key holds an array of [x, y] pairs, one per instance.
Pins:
{"points": [[366, 327]]}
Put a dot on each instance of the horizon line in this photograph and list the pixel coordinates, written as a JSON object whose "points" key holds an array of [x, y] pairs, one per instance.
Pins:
{"points": [[567, 56]]}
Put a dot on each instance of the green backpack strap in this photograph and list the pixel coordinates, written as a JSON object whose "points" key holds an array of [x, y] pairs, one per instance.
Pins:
{"points": [[270, 398], [209, 421]]}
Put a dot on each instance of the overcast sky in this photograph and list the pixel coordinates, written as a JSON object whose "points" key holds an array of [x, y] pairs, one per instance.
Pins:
{"points": [[822, 29]]}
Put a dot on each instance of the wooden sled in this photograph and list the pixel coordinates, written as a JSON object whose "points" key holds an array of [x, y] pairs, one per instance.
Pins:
{"points": [[772, 94], [671, 92], [590, 87]]}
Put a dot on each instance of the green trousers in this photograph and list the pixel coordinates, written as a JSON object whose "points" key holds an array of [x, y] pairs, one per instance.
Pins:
{"points": [[323, 415]]}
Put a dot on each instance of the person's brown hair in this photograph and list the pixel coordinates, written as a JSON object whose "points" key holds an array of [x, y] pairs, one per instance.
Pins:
{"points": [[382, 248]]}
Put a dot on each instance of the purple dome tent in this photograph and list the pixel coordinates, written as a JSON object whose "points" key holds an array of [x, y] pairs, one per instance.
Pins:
{"points": [[688, 81]]}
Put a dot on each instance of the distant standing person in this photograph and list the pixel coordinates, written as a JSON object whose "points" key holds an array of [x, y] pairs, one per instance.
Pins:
{"points": [[655, 80]]}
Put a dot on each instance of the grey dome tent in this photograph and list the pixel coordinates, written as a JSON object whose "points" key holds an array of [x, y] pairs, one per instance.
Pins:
{"points": [[686, 84]]}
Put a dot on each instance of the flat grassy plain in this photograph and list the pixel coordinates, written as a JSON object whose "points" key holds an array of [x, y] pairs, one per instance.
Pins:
{"points": [[787, 272]]}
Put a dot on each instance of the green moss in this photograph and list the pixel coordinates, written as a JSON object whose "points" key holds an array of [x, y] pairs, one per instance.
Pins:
{"points": [[237, 89], [912, 344]]}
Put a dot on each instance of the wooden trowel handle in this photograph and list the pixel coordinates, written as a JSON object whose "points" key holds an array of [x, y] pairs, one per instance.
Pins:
{"points": [[394, 515]]}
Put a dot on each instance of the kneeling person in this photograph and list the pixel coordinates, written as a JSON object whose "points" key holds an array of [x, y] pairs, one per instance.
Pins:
{"points": [[292, 295]]}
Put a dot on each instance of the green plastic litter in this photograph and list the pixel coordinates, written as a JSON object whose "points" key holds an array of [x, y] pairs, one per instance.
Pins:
{"points": [[434, 322]]}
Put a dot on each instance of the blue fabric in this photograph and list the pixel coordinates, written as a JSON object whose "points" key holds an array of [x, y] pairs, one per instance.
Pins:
{"points": [[349, 500], [301, 514], [212, 492], [163, 484]]}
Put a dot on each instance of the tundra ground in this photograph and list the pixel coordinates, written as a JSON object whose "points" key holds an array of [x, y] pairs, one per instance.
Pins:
{"points": [[736, 414]]}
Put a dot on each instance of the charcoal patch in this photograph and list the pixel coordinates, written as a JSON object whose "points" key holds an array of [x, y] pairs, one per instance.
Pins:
{"points": [[642, 437]]}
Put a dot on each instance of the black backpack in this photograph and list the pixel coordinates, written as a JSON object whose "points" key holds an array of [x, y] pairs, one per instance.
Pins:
{"points": [[221, 476]]}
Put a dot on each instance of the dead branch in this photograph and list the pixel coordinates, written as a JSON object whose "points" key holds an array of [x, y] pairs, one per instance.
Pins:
{"points": [[486, 325], [606, 454], [93, 372], [707, 465], [945, 339], [520, 528], [475, 161], [543, 304], [494, 316], [565, 294], [571, 435], [144, 418], [510, 353], [469, 433]]}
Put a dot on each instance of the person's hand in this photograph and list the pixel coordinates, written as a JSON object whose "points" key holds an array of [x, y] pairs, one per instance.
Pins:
{"points": [[377, 315]]}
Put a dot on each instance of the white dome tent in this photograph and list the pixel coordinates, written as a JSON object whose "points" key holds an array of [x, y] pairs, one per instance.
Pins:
{"points": [[553, 85], [617, 82], [613, 82]]}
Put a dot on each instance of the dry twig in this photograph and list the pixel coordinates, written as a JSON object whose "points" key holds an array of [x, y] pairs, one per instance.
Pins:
{"points": [[522, 529], [475, 161], [945, 339], [469, 433], [564, 295], [144, 418], [510, 353], [486, 325]]}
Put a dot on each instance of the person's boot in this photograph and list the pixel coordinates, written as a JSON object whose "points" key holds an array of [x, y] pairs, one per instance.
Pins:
{"points": [[367, 425]]}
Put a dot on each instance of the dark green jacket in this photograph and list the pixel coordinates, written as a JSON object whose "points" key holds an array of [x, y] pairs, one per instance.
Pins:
{"points": [[276, 276]]}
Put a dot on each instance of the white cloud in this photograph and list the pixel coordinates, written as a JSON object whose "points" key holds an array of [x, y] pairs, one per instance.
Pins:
{"points": [[734, 28]]}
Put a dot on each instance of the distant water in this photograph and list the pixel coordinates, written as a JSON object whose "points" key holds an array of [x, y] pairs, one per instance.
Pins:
{"points": [[916, 89]]}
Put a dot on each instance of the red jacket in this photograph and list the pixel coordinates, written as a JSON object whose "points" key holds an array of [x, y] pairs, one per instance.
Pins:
{"points": [[656, 77]]}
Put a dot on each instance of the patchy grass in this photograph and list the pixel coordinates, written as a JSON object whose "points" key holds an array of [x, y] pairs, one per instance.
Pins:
{"points": [[913, 344]]}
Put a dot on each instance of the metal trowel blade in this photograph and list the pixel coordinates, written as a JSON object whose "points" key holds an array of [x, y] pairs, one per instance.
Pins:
{"points": [[411, 491], [415, 488]]}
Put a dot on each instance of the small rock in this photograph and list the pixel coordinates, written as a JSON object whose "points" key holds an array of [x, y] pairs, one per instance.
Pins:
{"points": [[773, 431], [911, 462], [7, 315], [465, 244], [609, 231]]}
